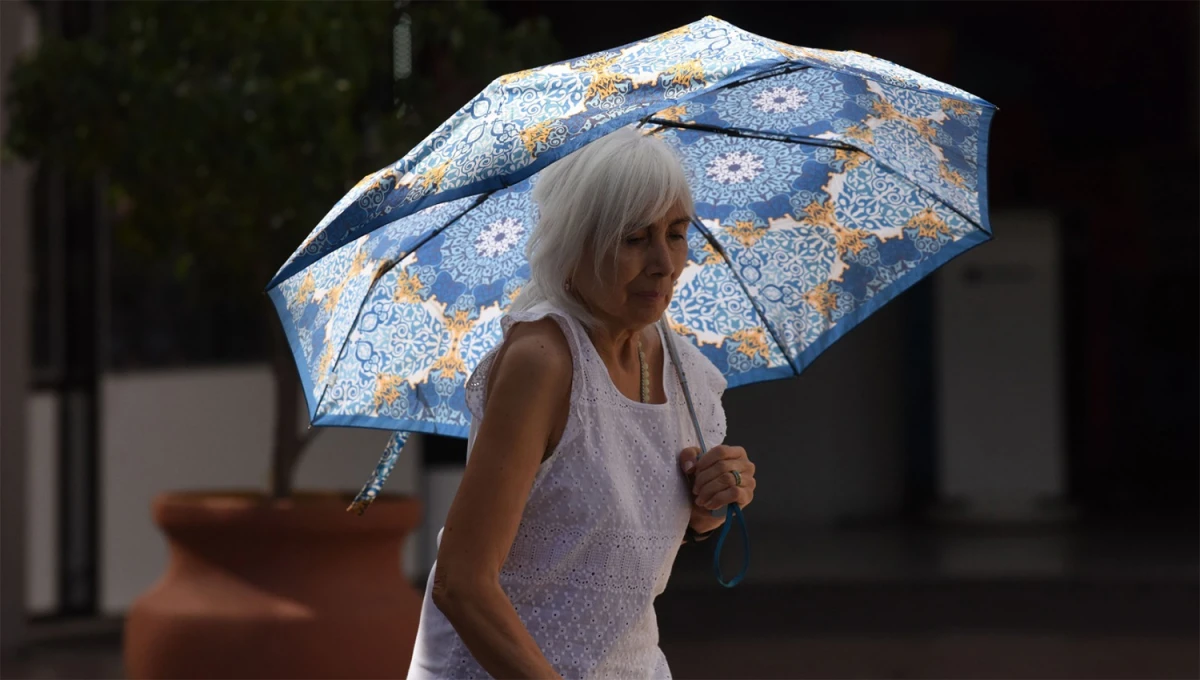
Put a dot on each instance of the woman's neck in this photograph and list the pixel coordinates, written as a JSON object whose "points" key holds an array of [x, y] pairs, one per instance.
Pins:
{"points": [[615, 343]]}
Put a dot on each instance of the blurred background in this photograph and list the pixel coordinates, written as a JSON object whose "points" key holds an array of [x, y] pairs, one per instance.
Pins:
{"points": [[1015, 493]]}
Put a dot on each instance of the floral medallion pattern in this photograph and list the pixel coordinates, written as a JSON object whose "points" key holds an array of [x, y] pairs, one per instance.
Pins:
{"points": [[825, 184]]}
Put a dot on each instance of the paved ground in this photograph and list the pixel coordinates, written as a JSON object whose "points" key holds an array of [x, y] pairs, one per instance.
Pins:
{"points": [[896, 604], [961, 656]]}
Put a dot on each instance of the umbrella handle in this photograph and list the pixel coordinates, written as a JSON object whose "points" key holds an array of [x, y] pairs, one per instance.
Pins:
{"points": [[731, 511]]}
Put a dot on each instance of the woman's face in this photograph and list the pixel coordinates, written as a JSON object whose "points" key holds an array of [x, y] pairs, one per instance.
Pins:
{"points": [[648, 262]]}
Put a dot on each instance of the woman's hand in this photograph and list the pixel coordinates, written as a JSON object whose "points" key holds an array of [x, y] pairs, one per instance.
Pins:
{"points": [[714, 484]]}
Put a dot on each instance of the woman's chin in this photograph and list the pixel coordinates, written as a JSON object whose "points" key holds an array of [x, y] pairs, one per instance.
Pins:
{"points": [[647, 309]]}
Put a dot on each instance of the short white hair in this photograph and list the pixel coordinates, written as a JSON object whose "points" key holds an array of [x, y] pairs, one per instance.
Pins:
{"points": [[616, 185]]}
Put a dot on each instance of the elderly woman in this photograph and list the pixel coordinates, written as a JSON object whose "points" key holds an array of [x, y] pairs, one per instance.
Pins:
{"points": [[582, 478]]}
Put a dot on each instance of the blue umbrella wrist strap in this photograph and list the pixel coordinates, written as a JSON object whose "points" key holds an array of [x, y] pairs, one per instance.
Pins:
{"points": [[733, 510]]}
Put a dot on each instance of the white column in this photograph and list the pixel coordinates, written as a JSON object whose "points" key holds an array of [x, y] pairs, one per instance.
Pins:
{"points": [[999, 359]]}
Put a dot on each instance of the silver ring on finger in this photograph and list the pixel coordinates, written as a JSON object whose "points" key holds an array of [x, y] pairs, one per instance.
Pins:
{"points": [[737, 478]]}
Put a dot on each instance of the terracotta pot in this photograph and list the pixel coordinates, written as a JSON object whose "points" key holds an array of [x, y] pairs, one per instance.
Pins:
{"points": [[285, 589]]}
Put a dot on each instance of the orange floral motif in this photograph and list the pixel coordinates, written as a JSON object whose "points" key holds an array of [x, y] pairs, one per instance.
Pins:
{"points": [[538, 133], [848, 240], [951, 175], [674, 114], [925, 128], [331, 298], [884, 110], [713, 256], [369, 179], [374, 179], [746, 232], [821, 214], [326, 361], [861, 133], [678, 328], [686, 72], [752, 342], [955, 106], [307, 286], [431, 178], [674, 33], [822, 299], [793, 52], [358, 264], [387, 389], [451, 363], [852, 159], [928, 224], [407, 288], [604, 80]]}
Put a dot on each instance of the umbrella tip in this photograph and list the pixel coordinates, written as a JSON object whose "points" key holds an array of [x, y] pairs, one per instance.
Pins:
{"points": [[359, 506]]}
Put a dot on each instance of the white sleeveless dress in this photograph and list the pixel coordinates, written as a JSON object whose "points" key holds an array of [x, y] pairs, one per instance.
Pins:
{"points": [[602, 524]]}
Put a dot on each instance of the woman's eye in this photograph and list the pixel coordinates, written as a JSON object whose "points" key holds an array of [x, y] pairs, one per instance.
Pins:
{"points": [[679, 237], [634, 240]]}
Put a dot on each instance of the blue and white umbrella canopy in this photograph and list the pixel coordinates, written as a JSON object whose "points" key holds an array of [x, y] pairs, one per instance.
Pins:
{"points": [[826, 183]]}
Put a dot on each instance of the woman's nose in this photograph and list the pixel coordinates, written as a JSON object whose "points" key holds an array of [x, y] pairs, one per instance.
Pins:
{"points": [[660, 262]]}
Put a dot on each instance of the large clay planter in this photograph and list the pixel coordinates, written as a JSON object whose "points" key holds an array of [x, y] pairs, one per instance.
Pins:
{"points": [[286, 589]]}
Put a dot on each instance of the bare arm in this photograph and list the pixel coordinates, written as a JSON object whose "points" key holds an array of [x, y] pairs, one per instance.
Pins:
{"points": [[528, 391]]}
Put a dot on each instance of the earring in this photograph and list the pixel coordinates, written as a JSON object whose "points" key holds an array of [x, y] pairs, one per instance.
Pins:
{"points": [[567, 285]]}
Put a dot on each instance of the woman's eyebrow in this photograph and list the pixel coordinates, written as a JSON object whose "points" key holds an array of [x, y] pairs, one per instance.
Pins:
{"points": [[681, 220]]}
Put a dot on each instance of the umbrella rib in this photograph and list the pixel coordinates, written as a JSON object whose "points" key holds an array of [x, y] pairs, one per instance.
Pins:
{"points": [[808, 141], [390, 266], [752, 134], [931, 192], [780, 70], [746, 289], [433, 234]]}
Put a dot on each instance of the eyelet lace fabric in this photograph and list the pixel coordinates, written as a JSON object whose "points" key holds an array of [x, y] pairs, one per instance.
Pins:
{"points": [[602, 525]]}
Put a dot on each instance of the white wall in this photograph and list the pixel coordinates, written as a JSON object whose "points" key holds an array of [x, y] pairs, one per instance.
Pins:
{"points": [[41, 515], [174, 430], [203, 429]]}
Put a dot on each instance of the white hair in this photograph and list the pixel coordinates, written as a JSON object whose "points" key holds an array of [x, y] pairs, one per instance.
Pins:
{"points": [[616, 185]]}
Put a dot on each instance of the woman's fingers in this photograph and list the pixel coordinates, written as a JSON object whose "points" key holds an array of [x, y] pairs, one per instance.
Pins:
{"points": [[713, 492], [742, 495], [718, 471], [713, 481], [719, 453], [718, 460]]}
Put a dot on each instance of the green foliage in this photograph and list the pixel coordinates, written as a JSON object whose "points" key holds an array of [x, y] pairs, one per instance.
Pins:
{"points": [[228, 129]]}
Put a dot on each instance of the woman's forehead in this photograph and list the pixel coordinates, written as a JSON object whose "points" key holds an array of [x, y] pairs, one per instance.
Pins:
{"points": [[677, 215]]}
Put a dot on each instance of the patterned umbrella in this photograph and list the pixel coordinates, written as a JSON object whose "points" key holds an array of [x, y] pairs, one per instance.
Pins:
{"points": [[825, 184]]}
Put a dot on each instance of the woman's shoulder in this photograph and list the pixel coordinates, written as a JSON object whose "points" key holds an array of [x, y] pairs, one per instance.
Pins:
{"points": [[542, 324], [538, 345], [534, 354], [532, 366]]}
